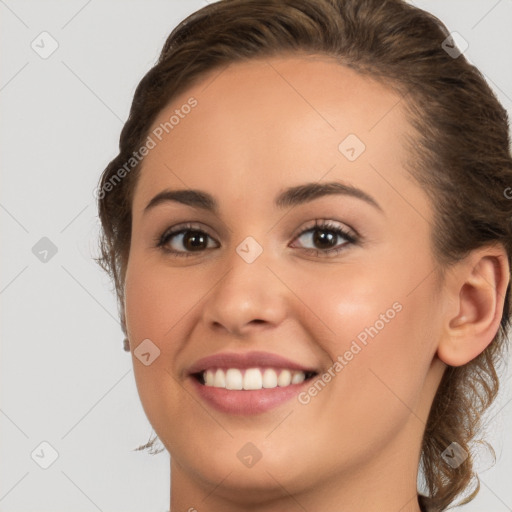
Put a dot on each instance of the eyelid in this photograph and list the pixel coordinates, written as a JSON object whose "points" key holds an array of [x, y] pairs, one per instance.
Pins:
{"points": [[183, 226], [320, 223]]}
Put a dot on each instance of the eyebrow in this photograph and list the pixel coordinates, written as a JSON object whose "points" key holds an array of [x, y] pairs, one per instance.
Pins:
{"points": [[290, 197]]}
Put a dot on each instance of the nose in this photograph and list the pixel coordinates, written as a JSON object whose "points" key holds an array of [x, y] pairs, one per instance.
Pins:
{"points": [[248, 297]]}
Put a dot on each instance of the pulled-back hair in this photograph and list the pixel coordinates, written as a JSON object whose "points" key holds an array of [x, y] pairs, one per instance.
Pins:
{"points": [[460, 156]]}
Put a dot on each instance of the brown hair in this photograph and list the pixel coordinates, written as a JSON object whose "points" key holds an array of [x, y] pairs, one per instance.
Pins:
{"points": [[460, 156]]}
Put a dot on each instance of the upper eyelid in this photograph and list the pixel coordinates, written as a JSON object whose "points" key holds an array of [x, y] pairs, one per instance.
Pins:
{"points": [[186, 226], [319, 223]]}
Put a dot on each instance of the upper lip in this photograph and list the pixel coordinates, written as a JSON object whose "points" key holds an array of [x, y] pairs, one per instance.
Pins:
{"points": [[247, 360]]}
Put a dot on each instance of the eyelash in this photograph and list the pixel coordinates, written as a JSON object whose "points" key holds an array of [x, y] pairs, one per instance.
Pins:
{"points": [[167, 235]]}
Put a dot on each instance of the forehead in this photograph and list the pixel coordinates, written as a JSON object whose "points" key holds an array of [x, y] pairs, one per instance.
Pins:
{"points": [[259, 124]]}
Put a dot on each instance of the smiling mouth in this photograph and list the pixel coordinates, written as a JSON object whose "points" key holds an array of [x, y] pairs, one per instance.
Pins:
{"points": [[251, 378]]}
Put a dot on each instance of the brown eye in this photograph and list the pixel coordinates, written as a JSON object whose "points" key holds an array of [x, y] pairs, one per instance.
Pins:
{"points": [[325, 238], [194, 240], [183, 240]]}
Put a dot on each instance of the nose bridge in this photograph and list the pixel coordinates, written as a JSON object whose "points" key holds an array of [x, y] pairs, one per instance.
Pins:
{"points": [[248, 290]]}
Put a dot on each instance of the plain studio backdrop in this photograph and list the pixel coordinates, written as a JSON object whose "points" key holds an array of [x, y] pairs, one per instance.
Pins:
{"points": [[68, 74]]}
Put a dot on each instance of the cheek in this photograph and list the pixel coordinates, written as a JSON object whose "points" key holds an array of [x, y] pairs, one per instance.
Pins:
{"points": [[155, 305], [383, 384], [155, 301], [343, 302], [381, 333]]}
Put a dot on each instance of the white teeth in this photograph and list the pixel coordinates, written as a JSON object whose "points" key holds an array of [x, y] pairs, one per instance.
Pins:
{"points": [[209, 377], [234, 379], [269, 378], [220, 380], [252, 378], [298, 377], [285, 378]]}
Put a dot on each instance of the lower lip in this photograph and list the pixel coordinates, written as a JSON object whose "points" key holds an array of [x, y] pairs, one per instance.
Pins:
{"points": [[246, 402]]}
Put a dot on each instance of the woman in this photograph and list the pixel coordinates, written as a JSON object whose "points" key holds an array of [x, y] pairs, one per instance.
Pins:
{"points": [[308, 229]]}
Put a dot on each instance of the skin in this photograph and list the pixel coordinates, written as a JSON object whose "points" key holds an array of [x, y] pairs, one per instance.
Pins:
{"points": [[260, 127]]}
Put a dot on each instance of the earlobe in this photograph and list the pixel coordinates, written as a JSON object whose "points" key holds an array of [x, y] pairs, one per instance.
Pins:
{"points": [[478, 285]]}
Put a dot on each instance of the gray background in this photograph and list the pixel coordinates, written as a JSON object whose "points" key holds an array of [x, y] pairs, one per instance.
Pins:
{"points": [[64, 376]]}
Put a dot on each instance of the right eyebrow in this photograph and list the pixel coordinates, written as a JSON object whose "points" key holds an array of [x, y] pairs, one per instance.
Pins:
{"points": [[195, 198]]}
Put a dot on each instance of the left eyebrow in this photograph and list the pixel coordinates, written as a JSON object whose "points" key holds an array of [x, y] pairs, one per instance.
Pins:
{"points": [[310, 191], [290, 197]]}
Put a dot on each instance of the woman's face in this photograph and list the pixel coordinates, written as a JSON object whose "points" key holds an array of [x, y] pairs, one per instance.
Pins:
{"points": [[263, 139]]}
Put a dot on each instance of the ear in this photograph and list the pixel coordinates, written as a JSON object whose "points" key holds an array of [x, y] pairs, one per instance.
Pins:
{"points": [[476, 287]]}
